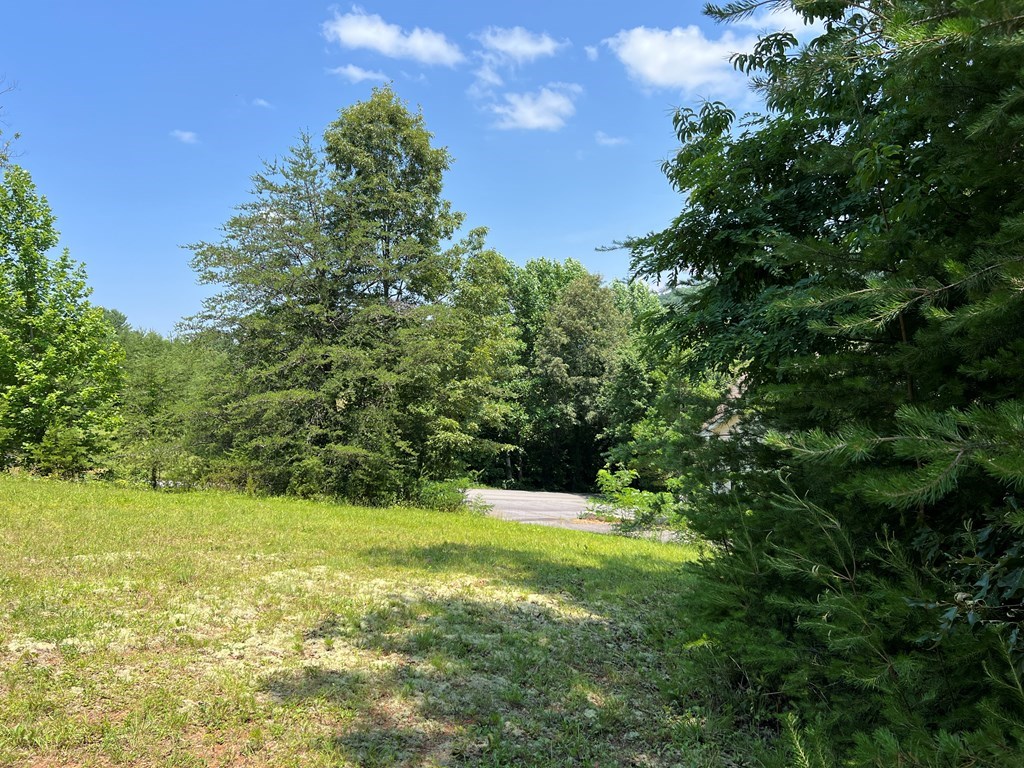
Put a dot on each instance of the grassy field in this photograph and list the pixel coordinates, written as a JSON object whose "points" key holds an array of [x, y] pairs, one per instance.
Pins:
{"points": [[151, 629]]}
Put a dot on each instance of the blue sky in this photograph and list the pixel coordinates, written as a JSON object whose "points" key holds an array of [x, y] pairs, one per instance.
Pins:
{"points": [[142, 122]]}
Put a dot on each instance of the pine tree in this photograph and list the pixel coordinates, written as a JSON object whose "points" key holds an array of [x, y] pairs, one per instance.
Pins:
{"points": [[369, 360], [857, 253]]}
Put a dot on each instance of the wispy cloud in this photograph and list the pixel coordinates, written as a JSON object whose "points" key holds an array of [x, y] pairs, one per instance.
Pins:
{"points": [[359, 29], [185, 137], [487, 78], [605, 140], [591, 51], [355, 74], [519, 45], [262, 104], [488, 75], [503, 49], [546, 109]]}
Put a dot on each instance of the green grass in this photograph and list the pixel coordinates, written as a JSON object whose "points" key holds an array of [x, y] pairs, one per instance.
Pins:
{"points": [[152, 629]]}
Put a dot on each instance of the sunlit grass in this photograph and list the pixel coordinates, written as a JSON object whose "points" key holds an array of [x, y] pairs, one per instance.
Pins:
{"points": [[141, 628]]}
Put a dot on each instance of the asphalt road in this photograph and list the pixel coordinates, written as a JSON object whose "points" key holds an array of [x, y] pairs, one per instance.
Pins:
{"points": [[558, 510]]}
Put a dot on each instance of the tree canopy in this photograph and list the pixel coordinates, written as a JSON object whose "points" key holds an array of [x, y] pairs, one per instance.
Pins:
{"points": [[59, 361]]}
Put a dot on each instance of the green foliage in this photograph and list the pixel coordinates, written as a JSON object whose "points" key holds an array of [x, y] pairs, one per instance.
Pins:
{"points": [[537, 286], [443, 495], [573, 356], [638, 508], [656, 429], [856, 254], [385, 200], [458, 362], [365, 359], [568, 331], [60, 365], [172, 407]]}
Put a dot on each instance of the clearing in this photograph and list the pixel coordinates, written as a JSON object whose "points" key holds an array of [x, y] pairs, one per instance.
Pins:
{"points": [[189, 629]]}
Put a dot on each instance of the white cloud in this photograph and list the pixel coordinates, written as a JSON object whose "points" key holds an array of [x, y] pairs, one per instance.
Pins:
{"points": [[591, 51], [487, 79], [185, 137], [519, 45], [263, 103], [502, 50], [680, 58], [544, 110], [487, 75], [359, 29], [605, 140], [686, 58], [355, 74]]}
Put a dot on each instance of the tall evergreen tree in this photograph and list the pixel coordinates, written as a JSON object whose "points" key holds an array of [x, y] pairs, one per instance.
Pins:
{"points": [[284, 299], [856, 252], [363, 370]]}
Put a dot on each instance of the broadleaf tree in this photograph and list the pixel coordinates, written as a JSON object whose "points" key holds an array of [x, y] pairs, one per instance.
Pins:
{"points": [[575, 355], [385, 200], [60, 363]]}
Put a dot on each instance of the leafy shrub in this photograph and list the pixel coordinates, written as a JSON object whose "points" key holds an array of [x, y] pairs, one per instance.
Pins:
{"points": [[635, 508], [443, 495]]}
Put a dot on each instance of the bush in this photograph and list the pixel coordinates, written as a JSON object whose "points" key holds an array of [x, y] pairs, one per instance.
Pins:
{"points": [[443, 495]]}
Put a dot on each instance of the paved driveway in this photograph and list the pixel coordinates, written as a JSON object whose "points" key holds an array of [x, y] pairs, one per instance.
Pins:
{"points": [[558, 510]]}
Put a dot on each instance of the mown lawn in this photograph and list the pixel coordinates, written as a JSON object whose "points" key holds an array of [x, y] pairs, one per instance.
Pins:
{"points": [[154, 629]]}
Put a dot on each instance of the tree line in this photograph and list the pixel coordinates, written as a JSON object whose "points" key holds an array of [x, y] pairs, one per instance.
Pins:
{"points": [[351, 349], [828, 392]]}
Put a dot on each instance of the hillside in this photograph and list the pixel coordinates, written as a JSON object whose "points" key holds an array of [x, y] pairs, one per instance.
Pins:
{"points": [[142, 628]]}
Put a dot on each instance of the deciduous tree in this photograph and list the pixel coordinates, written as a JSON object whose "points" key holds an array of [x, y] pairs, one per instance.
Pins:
{"points": [[60, 364], [574, 357], [385, 199]]}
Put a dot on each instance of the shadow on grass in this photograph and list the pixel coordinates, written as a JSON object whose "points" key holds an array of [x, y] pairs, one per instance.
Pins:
{"points": [[582, 575], [372, 734], [444, 675]]}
